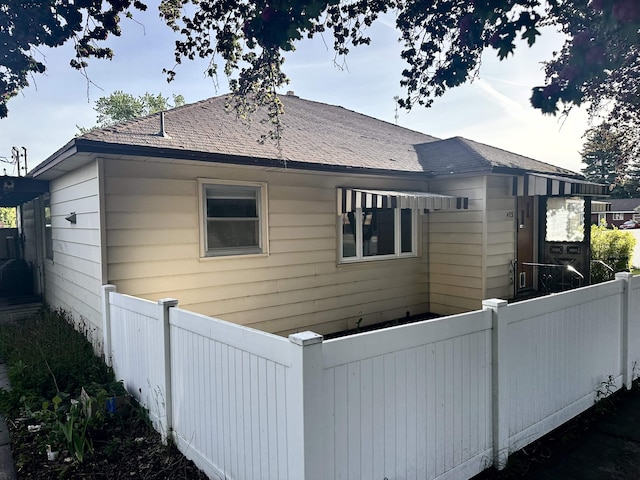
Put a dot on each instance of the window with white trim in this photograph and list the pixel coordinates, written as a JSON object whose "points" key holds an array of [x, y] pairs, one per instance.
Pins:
{"points": [[374, 233], [234, 218], [618, 216]]}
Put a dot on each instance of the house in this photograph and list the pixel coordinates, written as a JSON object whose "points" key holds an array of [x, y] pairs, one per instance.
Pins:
{"points": [[347, 220], [618, 211]]}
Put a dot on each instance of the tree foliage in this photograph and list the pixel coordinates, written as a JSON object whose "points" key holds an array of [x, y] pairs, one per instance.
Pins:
{"points": [[613, 247], [599, 63], [8, 217], [610, 155], [121, 106], [443, 41], [26, 25]]}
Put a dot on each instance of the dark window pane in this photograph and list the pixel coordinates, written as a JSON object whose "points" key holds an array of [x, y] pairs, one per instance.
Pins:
{"points": [[232, 234], [348, 235], [378, 236], [232, 207], [406, 235]]}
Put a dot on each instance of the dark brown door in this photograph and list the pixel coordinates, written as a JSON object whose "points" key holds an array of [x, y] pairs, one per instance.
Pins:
{"points": [[525, 227]]}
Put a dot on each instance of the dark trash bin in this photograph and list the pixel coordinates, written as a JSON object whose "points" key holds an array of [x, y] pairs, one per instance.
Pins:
{"points": [[15, 277]]}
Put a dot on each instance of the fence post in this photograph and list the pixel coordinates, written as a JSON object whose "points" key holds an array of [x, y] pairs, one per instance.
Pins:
{"points": [[165, 305], [627, 368], [106, 323], [304, 402], [500, 380]]}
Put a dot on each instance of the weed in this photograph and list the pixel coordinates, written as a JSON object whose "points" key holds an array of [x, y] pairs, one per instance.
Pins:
{"points": [[74, 429], [65, 399], [50, 363], [603, 399], [48, 355], [607, 388]]}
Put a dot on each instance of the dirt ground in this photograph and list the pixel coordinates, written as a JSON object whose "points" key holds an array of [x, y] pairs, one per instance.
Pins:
{"points": [[601, 444], [136, 454]]}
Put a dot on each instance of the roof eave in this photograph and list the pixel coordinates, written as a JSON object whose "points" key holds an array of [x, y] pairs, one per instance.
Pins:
{"points": [[82, 145], [58, 157], [521, 171]]}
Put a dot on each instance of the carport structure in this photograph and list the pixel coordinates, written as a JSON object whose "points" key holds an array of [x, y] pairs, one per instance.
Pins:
{"points": [[19, 281]]}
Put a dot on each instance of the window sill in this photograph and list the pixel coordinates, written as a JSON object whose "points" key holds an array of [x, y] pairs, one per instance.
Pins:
{"points": [[360, 261], [236, 255]]}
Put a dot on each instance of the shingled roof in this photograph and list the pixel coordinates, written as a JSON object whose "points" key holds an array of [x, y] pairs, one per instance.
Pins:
{"points": [[460, 155], [315, 135], [624, 204]]}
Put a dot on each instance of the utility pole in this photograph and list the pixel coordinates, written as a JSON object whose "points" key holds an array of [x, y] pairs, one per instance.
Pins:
{"points": [[16, 154]]}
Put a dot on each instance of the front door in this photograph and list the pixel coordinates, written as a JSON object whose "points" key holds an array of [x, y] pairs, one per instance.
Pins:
{"points": [[525, 254]]}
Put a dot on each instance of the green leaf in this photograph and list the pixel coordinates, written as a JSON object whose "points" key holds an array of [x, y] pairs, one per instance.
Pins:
{"points": [[530, 35]]}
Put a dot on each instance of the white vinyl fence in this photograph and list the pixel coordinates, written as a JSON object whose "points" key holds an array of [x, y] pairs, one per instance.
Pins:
{"points": [[438, 399]]}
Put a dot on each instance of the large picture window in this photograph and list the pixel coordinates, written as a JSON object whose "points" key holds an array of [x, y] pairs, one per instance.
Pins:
{"points": [[378, 233], [233, 217]]}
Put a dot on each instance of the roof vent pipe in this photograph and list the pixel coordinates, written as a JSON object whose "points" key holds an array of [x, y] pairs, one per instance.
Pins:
{"points": [[163, 132]]}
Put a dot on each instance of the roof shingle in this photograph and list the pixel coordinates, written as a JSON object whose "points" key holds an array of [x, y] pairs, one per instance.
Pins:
{"points": [[314, 133]]}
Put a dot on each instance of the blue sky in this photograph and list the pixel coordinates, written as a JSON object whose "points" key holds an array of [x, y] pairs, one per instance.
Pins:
{"points": [[494, 109]]}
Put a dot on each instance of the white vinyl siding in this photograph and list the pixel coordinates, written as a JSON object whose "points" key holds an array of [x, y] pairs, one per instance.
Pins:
{"points": [[471, 252], [501, 238], [153, 250], [456, 257], [74, 277], [152, 218]]}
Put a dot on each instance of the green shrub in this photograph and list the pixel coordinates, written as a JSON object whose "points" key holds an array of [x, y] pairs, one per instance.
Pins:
{"points": [[613, 247]]}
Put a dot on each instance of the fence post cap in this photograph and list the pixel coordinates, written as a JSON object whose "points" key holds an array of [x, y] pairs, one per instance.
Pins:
{"points": [[170, 302], [624, 275], [305, 338], [494, 303]]}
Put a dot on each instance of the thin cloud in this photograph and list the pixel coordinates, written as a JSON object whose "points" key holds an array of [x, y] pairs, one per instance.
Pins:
{"points": [[509, 106], [508, 82]]}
